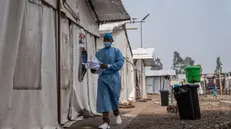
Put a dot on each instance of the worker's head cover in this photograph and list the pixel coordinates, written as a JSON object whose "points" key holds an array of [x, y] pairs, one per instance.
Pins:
{"points": [[108, 36]]}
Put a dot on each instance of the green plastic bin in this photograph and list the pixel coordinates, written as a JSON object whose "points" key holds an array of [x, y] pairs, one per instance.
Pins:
{"points": [[193, 74]]}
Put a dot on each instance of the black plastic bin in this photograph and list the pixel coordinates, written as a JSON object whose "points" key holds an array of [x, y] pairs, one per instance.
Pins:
{"points": [[187, 100], [196, 104], [164, 97]]}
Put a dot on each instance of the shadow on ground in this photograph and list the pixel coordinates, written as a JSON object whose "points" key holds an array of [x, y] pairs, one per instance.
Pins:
{"points": [[94, 122]]}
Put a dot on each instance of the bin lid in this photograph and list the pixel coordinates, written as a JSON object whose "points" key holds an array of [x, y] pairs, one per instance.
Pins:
{"points": [[192, 67], [175, 85], [164, 91], [188, 85]]}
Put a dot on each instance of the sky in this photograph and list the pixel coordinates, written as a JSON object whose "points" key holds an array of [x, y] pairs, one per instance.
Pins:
{"points": [[200, 29]]}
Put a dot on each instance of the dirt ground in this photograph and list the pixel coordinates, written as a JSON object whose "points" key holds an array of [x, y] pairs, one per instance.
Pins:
{"points": [[215, 114], [127, 116]]}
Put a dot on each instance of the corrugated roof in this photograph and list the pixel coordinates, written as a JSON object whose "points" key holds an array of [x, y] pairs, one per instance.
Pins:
{"points": [[143, 53], [109, 11]]}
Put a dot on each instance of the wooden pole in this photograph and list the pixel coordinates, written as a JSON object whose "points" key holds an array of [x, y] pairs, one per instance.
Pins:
{"points": [[171, 90], [221, 88]]}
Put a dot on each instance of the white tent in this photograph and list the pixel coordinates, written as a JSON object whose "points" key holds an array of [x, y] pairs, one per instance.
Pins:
{"points": [[155, 80], [28, 60], [121, 41], [142, 57]]}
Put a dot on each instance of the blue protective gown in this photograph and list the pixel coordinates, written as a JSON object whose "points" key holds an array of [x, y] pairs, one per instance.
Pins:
{"points": [[109, 81]]}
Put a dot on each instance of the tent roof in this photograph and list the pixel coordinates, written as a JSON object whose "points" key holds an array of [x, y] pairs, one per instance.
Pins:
{"points": [[109, 27], [107, 11], [149, 62], [104, 11], [143, 53], [149, 72]]}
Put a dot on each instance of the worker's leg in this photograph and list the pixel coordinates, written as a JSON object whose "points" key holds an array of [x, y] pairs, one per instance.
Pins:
{"points": [[118, 118], [106, 121], [106, 117], [116, 112]]}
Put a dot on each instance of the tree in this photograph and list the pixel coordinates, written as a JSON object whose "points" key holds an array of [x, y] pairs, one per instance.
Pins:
{"points": [[219, 65], [177, 59], [188, 61], [179, 63], [158, 65]]}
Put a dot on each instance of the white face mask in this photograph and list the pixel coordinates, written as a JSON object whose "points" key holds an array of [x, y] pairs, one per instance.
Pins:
{"points": [[107, 44]]}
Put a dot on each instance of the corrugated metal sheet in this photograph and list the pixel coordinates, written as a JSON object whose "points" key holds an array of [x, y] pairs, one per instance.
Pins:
{"points": [[88, 13], [109, 11]]}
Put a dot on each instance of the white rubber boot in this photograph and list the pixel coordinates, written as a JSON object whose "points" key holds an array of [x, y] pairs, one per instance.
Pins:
{"points": [[118, 120], [104, 126]]}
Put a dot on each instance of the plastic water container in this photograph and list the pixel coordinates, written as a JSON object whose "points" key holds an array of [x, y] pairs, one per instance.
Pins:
{"points": [[193, 74]]}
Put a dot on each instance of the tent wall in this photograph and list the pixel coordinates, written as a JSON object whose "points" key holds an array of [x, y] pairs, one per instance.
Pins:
{"points": [[150, 85], [127, 72], [157, 83], [28, 92], [27, 38], [83, 93], [52, 3], [79, 12], [66, 68], [140, 76], [130, 74], [84, 14]]}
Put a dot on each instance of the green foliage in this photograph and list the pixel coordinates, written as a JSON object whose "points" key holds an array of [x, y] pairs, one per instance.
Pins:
{"points": [[219, 65], [158, 65], [179, 63]]}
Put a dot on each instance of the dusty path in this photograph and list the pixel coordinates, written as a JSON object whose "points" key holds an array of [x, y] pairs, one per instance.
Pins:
{"points": [[127, 116], [215, 115]]}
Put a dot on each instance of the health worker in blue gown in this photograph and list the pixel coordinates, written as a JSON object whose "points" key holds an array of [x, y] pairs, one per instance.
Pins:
{"points": [[109, 81]]}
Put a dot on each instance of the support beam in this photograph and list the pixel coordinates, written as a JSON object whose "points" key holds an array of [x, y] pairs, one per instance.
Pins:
{"points": [[59, 62]]}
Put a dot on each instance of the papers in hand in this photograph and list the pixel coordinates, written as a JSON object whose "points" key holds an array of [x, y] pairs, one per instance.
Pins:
{"points": [[95, 64]]}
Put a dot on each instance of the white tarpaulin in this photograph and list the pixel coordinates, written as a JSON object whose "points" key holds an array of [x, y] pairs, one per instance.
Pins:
{"points": [[28, 91], [27, 47], [127, 73], [53, 3], [157, 83], [140, 76], [82, 11], [92, 78], [83, 93]]}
